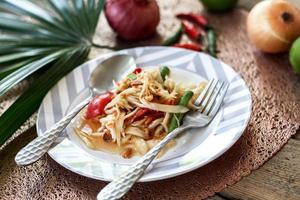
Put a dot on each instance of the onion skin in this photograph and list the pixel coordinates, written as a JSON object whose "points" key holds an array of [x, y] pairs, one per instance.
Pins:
{"points": [[132, 20], [273, 25]]}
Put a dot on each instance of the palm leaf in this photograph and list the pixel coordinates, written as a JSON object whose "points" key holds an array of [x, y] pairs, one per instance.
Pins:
{"points": [[29, 9], [100, 6], [28, 69], [30, 100], [65, 11], [13, 24], [80, 8], [5, 71], [50, 40], [24, 54]]}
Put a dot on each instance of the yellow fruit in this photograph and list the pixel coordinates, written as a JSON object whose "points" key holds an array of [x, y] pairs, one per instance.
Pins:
{"points": [[273, 25]]}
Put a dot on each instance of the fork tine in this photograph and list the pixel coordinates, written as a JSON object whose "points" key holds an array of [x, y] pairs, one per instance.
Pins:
{"points": [[213, 99], [208, 96], [204, 92], [219, 101]]}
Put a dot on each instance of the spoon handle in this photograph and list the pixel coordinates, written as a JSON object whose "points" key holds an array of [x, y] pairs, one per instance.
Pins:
{"points": [[40, 145], [121, 185]]}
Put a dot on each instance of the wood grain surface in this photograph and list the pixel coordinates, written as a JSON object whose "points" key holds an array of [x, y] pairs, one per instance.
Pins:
{"points": [[277, 179]]}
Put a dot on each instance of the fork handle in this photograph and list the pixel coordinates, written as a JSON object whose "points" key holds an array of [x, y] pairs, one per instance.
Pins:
{"points": [[120, 186], [40, 145]]}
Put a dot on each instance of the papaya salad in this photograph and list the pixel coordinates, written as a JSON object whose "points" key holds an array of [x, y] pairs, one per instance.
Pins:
{"points": [[139, 112]]}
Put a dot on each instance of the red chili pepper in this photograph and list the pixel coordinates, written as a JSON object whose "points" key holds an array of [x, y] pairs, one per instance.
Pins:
{"points": [[191, 46], [137, 70], [142, 112], [97, 105], [191, 30], [196, 18], [150, 118], [139, 114]]}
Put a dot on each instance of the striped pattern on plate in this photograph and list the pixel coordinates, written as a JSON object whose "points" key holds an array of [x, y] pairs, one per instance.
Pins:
{"points": [[232, 119]]}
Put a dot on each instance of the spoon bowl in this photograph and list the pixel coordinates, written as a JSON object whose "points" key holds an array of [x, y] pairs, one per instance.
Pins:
{"points": [[113, 68]]}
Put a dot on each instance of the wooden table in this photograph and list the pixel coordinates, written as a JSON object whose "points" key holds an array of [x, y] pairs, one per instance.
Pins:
{"points": [[278, 179]]}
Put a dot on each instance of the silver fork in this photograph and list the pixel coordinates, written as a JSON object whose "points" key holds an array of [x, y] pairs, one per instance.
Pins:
{"points": [[209, 101]]}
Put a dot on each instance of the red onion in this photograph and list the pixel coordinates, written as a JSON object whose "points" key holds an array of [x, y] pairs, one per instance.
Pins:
{"points": [[132, 19]]}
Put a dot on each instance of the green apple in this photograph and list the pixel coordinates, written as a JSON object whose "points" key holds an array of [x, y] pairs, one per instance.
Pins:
{"points": [[295, 56], [219, 5]]}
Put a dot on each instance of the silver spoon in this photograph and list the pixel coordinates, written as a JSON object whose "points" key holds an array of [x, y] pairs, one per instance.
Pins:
{"points": [[113, 68]]}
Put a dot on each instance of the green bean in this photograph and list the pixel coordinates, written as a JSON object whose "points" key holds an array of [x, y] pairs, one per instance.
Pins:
{"points": [[212, 43], [177, 118], [164, 71], [132, 76], [174, 38]]}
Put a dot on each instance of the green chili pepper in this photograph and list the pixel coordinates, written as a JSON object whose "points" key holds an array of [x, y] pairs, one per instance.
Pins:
{"points": [[132, 76], [174, 38], [164, 71], [212, 42], [177, 118]]}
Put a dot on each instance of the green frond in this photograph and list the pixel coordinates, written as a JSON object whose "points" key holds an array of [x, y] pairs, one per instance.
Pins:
{"points": [[6, 70], [50, 40], [29, 102], [26, 8], [28, 69]]}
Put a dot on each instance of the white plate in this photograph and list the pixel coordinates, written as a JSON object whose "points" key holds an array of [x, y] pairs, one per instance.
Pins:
{"points": [[193, 149]]}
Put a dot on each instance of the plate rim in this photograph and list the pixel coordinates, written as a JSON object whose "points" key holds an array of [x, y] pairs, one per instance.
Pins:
{"points": [[174, 172]]}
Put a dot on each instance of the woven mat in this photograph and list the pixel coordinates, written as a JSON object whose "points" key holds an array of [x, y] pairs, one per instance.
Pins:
{"points": [[276, 113]]}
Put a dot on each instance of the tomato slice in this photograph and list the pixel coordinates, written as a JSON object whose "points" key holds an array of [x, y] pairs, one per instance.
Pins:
{"points": [[137, 70], [97, 105]]}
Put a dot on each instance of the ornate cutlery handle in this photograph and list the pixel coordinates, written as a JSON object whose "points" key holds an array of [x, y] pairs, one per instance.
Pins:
{"points": [[40, 145], [119, 187]]}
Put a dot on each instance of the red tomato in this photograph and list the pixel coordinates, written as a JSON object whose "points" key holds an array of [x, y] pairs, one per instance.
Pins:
{"points": [[97, 105], [137, 70]]}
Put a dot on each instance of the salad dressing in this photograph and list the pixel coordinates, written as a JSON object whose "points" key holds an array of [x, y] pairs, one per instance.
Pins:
{"points": [[95, 142]]}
